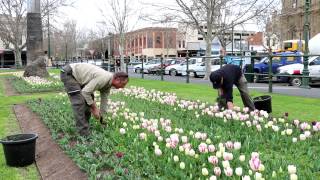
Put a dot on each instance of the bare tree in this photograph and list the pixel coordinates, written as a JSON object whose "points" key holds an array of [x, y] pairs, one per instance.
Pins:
{"points": [[212, 18], [69, 34], [116, 18], [12, 26], [13, 23], [269, 22]]}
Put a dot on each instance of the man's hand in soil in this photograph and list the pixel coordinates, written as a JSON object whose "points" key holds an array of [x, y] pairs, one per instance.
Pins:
{"points": [[95, 111]]}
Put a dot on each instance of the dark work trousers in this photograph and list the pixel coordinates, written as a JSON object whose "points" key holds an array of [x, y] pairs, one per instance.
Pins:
{"points": [[81, 110], [242, 85]]}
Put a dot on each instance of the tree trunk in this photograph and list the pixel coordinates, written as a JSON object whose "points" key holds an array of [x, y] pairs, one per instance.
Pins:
{"points": [[121, 51], [208, 60], [17, 57]]}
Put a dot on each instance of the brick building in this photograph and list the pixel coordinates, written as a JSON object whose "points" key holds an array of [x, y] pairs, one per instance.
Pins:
{"points": [[150, 42], [292, 19]]}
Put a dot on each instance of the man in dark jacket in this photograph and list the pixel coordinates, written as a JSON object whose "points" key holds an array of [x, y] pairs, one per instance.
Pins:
{"points": [[224, 78]]}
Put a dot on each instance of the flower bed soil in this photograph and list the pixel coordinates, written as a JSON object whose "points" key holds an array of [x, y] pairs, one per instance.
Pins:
{"points": [[51, 161]]}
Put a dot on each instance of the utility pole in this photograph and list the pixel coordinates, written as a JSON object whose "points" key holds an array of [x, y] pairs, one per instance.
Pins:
{"points": [[305, 72]]}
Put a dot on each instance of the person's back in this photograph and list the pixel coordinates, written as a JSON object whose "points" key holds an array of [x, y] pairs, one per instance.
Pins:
{"points": [[230, 73], [85, 72]]}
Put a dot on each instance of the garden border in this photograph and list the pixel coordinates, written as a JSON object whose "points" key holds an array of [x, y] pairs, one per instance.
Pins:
{"points": [[51, 161]]}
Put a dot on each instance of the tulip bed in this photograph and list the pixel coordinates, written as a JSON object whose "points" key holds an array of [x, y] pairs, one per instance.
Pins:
{"points": [[35, 84], [156, 135]]}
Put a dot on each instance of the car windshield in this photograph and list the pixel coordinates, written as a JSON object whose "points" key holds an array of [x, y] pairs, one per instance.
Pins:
{"points": [[265, 59]]}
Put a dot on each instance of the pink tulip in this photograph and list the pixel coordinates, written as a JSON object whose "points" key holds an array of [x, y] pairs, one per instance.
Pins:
{"points": [[213, 160], [217, 171], [211, 148], [203, 148], [229, 145], [228, 171], [255, 163]]}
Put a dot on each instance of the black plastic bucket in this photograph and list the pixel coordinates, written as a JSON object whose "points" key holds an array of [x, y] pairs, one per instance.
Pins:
{"points": [[263, 103], [19, 149]]}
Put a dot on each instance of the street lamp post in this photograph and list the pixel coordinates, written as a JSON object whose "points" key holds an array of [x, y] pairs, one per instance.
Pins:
{"points": [[305, 78]]}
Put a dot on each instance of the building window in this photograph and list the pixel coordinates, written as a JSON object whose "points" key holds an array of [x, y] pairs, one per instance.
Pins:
{"points": [[183, 44], [294, 3], [150, 42], [200, 38], [179, 44], [158, 40]]}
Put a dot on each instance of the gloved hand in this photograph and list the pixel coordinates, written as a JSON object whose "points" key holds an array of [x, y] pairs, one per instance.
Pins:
{"points": [[101, 121], [222, 102]]}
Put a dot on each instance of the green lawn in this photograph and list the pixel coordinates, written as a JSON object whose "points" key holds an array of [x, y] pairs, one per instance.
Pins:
{"points": [[298, 107], [9, 125]]}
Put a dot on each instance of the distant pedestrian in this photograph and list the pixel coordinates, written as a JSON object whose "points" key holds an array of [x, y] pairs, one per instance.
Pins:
{"points": [[118, 65], [81, 80], [224, 78]]}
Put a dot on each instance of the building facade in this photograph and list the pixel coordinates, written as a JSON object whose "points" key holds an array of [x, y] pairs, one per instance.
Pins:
{"points": [[150, 42], [191, 40], [292, 19]]}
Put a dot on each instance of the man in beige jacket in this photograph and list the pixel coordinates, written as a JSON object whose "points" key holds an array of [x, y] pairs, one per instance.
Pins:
{"points": [[81, 80]]}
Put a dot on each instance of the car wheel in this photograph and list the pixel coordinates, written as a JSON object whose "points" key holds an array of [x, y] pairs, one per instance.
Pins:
{"points": [[173, 72], [295, 81], [138, 70], [193, 74]]}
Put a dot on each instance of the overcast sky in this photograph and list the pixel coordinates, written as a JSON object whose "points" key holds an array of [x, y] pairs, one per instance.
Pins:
{"points": [[87, 13]]}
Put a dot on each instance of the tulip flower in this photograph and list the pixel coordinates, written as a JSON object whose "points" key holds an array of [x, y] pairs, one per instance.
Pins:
{"points": [[238, 171], [217, 171], [182, 165], [293, 177], [205, 172], [158, 152], [292, 169], [122, 131], [237, 145], [242, 158], [213, 160], [175, 158], [228, 171]]}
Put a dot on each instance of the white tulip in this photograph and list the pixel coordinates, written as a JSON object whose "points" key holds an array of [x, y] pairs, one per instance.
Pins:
{"points": [[292, 169], [239, 171]]}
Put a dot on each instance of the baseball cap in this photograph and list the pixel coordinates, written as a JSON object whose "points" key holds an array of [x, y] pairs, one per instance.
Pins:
{"points": [[215, 78]]}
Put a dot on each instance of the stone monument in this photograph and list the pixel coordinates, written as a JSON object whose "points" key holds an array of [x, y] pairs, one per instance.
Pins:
{"points": [[35, 61]]}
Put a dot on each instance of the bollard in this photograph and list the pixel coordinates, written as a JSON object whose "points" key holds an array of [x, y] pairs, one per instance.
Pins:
{"points": [[187, 70], [270, 73], [221, 60], [142, 70], [161, 67], [127, 63]]}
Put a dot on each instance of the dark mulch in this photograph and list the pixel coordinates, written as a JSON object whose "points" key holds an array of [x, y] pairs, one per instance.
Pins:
{"points": [[51, 161]]}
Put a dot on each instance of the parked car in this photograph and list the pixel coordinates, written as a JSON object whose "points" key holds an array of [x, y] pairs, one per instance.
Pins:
{"points": [[262, 67], [297, 69], [135, 62], [147, 66], [166, 63], [199, 69], [192, 61]]}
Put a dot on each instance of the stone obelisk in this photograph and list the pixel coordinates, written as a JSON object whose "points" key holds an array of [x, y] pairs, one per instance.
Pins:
{"points": [[35, 55]]}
